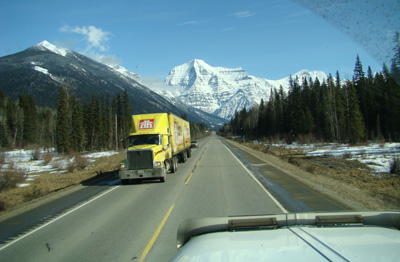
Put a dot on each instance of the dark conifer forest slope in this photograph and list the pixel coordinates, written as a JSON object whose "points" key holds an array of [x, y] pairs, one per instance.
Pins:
{"points": [[40, 72]]}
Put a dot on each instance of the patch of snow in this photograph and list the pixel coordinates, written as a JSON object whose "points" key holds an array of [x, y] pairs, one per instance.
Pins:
{"points": [[101, 154], [41, 70], [23, 185], [376, 156], [223, 91], [22, 160], [47, 46]]}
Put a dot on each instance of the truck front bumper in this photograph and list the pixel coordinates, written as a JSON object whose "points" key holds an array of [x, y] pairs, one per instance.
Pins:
{"points": [[142, 174]]}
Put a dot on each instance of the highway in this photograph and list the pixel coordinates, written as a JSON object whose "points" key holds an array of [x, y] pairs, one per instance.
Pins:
{"points": [[138, 222]]}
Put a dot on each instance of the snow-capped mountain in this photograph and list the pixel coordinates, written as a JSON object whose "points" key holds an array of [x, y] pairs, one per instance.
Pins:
{"points": [[223, 91], [41, 69]]}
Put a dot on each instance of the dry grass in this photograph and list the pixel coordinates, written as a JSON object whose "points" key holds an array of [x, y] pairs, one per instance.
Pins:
{"points": [[349, 178], [47, 183], [47, 157]]}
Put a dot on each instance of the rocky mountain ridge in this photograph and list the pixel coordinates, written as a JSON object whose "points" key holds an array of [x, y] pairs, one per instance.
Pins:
{"points": [[223, 91]]}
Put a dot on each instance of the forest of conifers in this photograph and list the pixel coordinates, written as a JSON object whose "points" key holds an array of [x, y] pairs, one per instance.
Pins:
{"points": [[73, 127], [364, 108], [99, 124]]}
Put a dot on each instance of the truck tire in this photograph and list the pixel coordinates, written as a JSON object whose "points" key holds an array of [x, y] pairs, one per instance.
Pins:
{"points": [[189, 153], [162, 179], [124, 181], [174, 164], [184, 157]]}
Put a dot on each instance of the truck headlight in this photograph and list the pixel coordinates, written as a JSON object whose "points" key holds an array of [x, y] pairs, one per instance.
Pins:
{"points": [[158, 164], [122, 166]]}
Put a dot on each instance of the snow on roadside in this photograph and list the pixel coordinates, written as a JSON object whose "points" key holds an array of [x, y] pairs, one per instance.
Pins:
{"points": [[21, 160], [378, 156]]}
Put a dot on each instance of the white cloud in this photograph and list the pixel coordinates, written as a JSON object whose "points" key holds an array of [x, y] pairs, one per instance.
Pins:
{"points": [[96, 38], [110, 60], [96, 41], [243, 14], [194, 22]]}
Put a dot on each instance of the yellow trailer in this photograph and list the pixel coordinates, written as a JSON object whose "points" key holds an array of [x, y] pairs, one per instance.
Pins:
{"points": [[157, 143]]}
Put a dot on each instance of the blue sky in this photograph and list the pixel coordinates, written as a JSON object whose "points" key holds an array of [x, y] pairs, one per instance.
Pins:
{"points": [[269, 39]]}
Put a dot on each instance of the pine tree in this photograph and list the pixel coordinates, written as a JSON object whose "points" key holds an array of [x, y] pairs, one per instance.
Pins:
{"points": [[104, 124], [354, 120], [77, 130], [86, 125], [63, 142], [359, 75], [361, 89], [11, 122], [94, 113], [29, 127], [395, 67], [127, 118]]}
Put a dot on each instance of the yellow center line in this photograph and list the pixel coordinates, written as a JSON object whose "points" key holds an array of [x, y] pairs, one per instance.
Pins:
{"points": [[187, 180], [153, 239]]}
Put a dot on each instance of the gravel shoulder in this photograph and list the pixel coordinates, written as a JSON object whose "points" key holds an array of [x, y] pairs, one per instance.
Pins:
{"points": [[347, 182]]}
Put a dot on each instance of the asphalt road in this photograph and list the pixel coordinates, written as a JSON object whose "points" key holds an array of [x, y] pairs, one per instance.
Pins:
{"points": [[138, 222]]}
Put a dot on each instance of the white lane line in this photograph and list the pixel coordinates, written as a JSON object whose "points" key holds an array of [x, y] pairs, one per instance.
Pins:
{"points": [[259, 183], [54, 220]]}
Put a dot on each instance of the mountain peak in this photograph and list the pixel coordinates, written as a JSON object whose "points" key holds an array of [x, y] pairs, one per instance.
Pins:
{"points": [[46, 46], [223, 91], [198, 62]]}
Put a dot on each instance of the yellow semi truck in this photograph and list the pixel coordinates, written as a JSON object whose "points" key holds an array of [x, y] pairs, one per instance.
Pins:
{"points": [[157, 142]]}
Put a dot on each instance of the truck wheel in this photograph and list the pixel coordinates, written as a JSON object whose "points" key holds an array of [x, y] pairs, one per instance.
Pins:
{"points": [[174, 164], [184, 157], [162, 179], [189, 153], [124, 181]]}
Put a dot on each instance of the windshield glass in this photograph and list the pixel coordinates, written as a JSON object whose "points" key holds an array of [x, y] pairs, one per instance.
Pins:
{"points": [[144, 140], [132, 117]]}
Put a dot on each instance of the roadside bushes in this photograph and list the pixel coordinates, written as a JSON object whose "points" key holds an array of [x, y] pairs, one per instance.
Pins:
{"points": [[10, 178], [77, 162], [395, 165]]}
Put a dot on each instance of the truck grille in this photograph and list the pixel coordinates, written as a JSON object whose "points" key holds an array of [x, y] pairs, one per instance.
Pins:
{"points": [[140, 159]]}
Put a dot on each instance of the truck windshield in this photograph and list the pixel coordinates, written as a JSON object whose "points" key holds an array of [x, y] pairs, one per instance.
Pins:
{"points": [[144, 140]]}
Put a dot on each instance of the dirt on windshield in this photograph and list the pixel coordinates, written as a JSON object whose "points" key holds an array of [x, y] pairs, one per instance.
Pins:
{"points": [[349, 182]]}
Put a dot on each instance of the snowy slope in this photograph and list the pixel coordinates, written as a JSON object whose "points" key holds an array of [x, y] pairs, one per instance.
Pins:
{"points": [[50, 47], [222, 91]]}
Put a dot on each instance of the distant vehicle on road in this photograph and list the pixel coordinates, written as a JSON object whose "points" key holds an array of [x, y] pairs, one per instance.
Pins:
{"points": [[325, 236], [194, 143], [157, 142]]}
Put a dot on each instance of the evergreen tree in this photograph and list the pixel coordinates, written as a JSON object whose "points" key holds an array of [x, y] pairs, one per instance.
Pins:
{"points": [[104, 123], [359, 75], [354, 120], [94, 113], [361, 89], [63, 142], [127, 118], [11, 122], [395, 67], [77, 130], [29, 124]]}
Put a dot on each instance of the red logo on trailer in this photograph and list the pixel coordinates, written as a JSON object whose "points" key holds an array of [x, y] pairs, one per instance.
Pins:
{"points": [[146, 124]]}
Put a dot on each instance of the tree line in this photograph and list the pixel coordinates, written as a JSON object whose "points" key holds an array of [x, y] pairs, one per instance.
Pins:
{"points": [[22, 123], [99, 124], [364, 108]]}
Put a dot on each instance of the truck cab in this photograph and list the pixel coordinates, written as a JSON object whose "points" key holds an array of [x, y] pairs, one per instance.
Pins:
{"points": [[156, 144]]}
